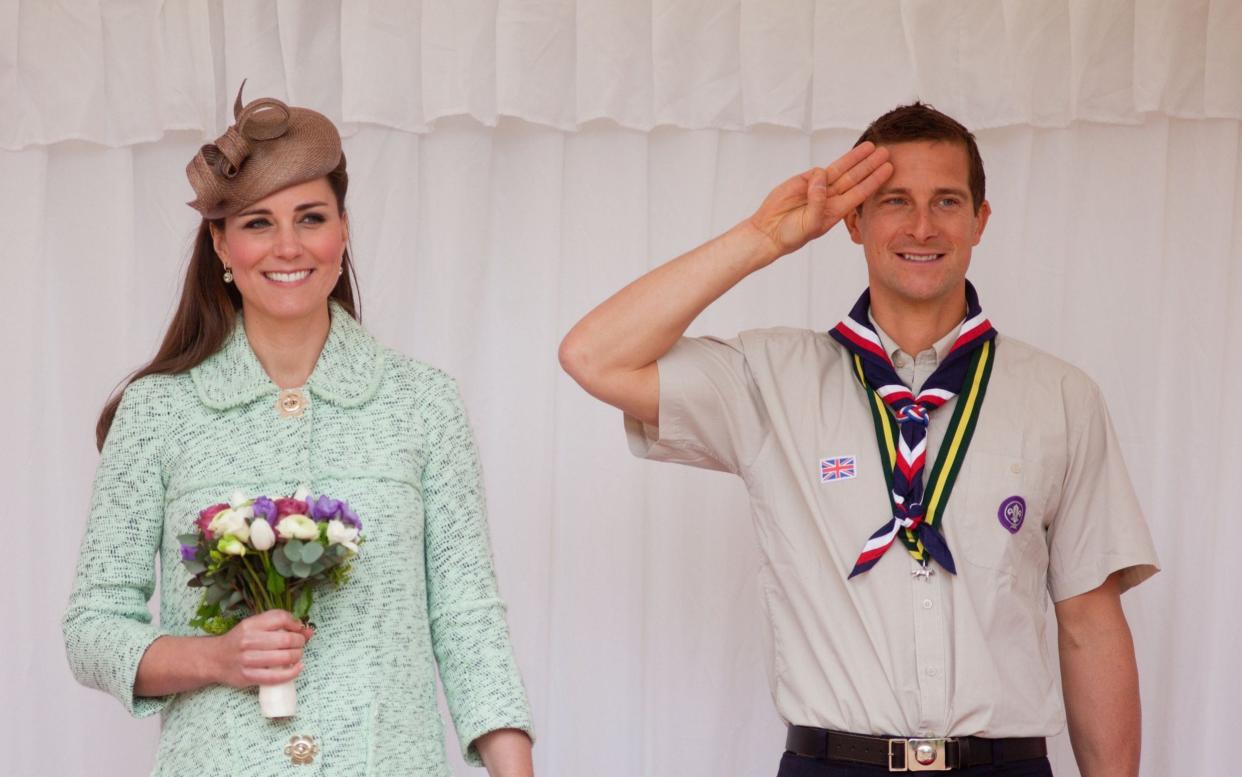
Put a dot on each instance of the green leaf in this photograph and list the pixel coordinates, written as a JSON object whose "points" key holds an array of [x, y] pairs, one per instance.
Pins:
{"points": [[188, 539], [195, 567], [311, 552], [233, 600], [293, 549], [209, 619], [301, 569], [301, 607], [275, 581], [216, 594], [282, 563]]}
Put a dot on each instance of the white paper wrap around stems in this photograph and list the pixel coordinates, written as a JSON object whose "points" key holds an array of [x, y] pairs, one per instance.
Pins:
{"points": [[279, 701]]}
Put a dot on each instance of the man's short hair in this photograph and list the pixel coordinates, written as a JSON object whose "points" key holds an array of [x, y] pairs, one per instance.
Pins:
{"points": [[920, 121]]}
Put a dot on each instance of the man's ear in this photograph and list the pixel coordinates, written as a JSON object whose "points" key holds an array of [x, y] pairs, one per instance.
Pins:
{"points": [[851, 223], [217, 242], [981, 219]]}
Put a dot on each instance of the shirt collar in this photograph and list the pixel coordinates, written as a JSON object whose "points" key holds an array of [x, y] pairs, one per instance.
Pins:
{"points": [[347, 373], [940, 348]]}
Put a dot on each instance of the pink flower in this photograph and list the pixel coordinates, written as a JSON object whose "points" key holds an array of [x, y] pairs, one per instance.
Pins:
{"points": [[287, 506], [205, 516]]}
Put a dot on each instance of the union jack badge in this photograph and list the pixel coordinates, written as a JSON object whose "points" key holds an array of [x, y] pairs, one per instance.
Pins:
{"points": [[837, 468]]}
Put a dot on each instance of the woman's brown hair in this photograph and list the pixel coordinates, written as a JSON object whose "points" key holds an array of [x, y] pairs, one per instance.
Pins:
{"points": [[208, 309]]}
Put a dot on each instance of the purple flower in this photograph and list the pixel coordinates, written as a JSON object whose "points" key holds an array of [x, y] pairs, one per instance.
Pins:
{"points": [[349, 517], [325, 508], [189, 552], [265, 508]]}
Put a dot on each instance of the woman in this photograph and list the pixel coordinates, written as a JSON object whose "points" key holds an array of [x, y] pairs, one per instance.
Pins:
{"points": [[266, 381]]}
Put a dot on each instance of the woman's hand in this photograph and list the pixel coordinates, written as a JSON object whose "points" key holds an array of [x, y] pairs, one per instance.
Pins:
{"points": [[264, 649]]}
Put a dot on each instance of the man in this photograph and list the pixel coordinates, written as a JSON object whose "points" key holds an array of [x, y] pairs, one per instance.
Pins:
{"points": [[920, 484]]}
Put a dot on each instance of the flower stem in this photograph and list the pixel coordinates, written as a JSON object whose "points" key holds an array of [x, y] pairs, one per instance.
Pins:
{"points": [[259, 588]]}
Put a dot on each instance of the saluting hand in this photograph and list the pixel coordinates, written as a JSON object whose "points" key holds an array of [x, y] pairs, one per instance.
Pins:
{"points": [[808, 205]]}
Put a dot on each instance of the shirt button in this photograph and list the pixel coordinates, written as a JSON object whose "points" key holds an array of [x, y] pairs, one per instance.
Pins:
{"points": [[927, 604], [899, 360], [932, 671], [1015, 468]]}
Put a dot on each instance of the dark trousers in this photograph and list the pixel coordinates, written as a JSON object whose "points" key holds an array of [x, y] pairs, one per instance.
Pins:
{"points": [[800, 766]]}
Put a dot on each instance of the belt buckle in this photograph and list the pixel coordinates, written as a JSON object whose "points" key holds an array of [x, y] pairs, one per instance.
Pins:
{"points": [[920, 755]]}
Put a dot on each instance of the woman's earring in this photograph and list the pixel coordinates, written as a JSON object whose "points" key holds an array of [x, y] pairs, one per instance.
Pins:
{"points": [[228, 274]]}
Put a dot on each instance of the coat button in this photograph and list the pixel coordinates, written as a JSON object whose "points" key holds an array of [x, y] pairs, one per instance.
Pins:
{"points": [[301, 750], [291, 403]]}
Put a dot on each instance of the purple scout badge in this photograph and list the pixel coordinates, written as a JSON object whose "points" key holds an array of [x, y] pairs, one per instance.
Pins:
{"points": [[1012, 513]]}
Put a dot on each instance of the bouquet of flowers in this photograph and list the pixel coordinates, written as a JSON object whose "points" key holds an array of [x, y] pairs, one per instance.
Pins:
{"points": [[253, 554]]}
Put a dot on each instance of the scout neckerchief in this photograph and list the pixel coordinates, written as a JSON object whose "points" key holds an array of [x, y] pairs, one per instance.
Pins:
{"points": [[901, 428]]}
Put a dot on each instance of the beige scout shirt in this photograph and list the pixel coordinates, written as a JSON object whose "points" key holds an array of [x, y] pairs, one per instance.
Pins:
{"points": [[887, 652]]}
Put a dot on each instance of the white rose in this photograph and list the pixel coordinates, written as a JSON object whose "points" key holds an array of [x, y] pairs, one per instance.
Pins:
{"points": [[238, 499], [302, 493], [297, 527], [261, 535], [229, 522], [340, 534]]}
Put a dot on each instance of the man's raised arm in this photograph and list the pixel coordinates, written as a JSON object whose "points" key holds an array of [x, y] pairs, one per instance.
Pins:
{"points": [[612, 351]]}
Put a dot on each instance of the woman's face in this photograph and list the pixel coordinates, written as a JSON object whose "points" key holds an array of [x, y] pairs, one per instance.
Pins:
{"points": [[285, 251]]}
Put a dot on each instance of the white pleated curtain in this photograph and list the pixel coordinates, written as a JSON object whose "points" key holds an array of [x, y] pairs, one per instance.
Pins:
{"points": [[512, 164]]}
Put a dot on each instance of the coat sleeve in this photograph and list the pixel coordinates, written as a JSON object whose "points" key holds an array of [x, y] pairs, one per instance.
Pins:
{"points": [[468, 629], [107, 625]]}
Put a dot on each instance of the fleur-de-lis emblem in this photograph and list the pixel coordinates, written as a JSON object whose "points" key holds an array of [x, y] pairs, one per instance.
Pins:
{"points": [[301, 750]]}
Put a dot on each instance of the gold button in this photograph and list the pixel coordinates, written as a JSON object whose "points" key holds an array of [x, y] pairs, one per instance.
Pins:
{"points": [[291, 403], [301, 750]]}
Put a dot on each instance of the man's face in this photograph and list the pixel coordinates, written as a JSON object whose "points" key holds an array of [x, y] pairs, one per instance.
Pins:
{"points": [[918, 229]]}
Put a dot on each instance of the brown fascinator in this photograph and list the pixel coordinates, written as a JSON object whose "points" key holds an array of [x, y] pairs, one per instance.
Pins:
{"points": [[269, 147]]}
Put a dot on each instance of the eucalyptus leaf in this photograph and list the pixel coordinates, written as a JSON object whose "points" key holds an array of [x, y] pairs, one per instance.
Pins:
{"points": [[187, 539], [233, 600], [311, 552], [195, 567], [301, 569], [216, 594], [293, 549], [282, 564]]}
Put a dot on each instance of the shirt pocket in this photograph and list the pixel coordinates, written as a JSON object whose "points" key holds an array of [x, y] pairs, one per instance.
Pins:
{"points": [[999, 523]]}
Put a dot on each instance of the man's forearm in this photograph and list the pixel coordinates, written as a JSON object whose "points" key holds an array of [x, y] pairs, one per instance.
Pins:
{"points": [[640, 323], [1099, 676], [612, 351]]}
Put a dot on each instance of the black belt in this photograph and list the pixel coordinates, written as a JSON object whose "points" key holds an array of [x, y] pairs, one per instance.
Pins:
{"points": [[901, 754]]}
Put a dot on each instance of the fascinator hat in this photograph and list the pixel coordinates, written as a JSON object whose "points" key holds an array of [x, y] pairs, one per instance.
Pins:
{"points": [[269, 147]]}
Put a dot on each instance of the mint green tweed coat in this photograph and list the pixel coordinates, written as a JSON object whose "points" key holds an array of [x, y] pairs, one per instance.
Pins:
{"points": [[385, 433]]}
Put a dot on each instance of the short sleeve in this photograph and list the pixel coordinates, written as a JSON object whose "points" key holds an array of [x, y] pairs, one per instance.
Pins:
{"points": [[468, 630], [1098, 528], [107, 625], [711, 415]]}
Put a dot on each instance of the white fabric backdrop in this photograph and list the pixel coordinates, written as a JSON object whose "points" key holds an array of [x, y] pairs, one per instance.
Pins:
{"points": [[481, 238]]}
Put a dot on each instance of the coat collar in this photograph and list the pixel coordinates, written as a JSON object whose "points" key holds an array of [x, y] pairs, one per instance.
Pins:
{"points": [[348, 372]]}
